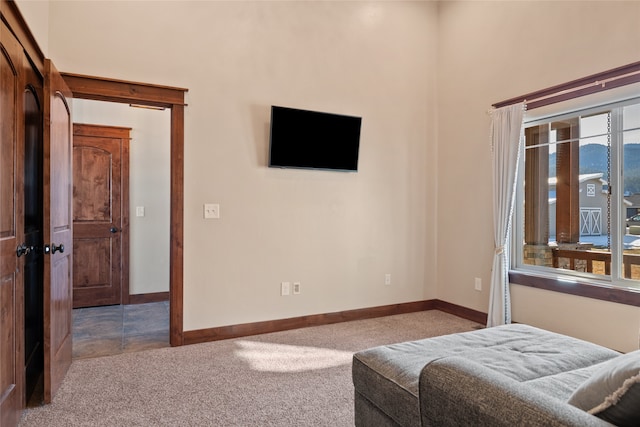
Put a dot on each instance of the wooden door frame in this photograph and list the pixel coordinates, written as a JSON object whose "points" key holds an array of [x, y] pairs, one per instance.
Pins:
{"points": [[111, 90]]}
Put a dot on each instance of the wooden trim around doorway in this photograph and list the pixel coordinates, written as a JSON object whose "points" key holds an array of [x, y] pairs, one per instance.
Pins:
{"points": [[111, 90], [176, 256], [126, 92]]}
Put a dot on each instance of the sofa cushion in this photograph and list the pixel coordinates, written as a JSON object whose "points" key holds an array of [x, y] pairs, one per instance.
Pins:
{"points": [[613, 391], [563, 384], [388, 376], [461, 392]]}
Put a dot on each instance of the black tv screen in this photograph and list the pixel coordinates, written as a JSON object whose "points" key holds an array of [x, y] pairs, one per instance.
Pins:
{"points": [[313, 140]]}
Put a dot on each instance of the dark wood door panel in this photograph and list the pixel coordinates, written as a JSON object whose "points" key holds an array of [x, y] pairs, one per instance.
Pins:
{"points": [[11, 229], [11, 399], [92, 198], [58, 226], [96, 255], [93, 282]]}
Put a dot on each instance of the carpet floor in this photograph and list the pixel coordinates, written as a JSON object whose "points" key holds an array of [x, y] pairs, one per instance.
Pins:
{"points": [[292, 378]]}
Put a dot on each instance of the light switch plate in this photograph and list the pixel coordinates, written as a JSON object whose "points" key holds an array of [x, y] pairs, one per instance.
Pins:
{"points": [[285, 288], [139, 210]]}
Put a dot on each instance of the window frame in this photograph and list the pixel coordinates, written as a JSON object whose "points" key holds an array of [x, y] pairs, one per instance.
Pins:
{"points": [[614, 289]]}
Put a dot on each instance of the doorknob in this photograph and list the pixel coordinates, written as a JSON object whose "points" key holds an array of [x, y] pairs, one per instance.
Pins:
{"points": [[113, 230], [53, 248], [23, 250]]}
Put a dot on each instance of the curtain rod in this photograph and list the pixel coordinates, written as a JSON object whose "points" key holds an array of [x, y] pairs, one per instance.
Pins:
{"points": [[595, 83]]}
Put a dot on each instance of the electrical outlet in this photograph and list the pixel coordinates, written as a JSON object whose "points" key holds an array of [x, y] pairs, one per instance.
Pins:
{"points": [[387, 279], [296, 288], [478, 284], [285, 288], [211, 211]]}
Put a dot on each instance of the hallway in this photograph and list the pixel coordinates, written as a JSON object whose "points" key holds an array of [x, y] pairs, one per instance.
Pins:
{"points": [[115, 329]]}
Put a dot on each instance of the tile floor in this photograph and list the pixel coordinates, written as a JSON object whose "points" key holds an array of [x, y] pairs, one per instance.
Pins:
{"points": [[114, 329]]}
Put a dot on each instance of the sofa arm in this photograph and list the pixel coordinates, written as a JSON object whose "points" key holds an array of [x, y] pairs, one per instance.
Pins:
{"points": [[455, 391]]}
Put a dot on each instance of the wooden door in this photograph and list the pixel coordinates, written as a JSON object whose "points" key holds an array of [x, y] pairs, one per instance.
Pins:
{"points": [[11, 229], [58, 231], [100, 204]]}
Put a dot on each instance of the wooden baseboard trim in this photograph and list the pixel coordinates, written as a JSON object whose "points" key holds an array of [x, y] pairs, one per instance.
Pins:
{"points": [[248, 329], [145, 298], [460, 311]]}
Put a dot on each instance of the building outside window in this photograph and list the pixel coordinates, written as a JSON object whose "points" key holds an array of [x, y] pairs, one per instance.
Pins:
{"points": [[579, 183]]}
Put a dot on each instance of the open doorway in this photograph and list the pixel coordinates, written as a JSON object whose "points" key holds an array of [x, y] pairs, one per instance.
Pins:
{"points": [[140, 318], [172, 98]]}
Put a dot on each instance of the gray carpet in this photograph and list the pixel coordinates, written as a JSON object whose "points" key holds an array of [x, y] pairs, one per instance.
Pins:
{"points": [[292, 378]]}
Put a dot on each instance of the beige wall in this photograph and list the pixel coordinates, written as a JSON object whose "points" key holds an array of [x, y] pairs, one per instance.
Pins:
{"points": [[149, 187], [336, 233], [613, 325], [490, 51]]}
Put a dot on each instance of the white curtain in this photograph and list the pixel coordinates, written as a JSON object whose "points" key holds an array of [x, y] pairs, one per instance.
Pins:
{"points": [[507, 140]]}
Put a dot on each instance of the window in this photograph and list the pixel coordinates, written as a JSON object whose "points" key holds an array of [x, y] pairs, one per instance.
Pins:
{"points": [[578, 196]]}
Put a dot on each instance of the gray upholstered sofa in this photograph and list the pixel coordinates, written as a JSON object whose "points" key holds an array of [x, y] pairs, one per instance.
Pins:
{"points": [[513, 375]]}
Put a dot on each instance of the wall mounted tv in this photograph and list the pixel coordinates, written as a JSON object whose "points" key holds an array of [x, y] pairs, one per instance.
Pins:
{"points": [[313, 140]]}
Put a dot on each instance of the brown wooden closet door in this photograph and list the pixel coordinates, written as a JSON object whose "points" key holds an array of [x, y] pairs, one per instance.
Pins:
{"points": [[11, 230], [98, 214], [58, 230]]}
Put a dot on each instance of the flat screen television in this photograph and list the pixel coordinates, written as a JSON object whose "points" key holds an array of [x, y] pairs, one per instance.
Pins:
{"points": [[313, 140]]}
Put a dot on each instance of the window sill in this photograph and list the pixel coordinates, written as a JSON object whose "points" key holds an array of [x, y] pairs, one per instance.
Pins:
{"points": [[586, 289]]}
